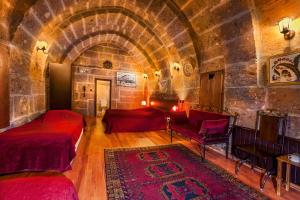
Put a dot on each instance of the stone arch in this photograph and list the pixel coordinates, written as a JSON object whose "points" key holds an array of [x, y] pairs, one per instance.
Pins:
{"points": [[97, 39], [153, 7], [67, 36], [110, 9], [61, 58]]}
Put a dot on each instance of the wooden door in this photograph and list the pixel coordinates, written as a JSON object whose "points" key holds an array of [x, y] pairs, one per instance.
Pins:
{"points": [[4, 89], [102, 96], [212, 90], [60, 86]]}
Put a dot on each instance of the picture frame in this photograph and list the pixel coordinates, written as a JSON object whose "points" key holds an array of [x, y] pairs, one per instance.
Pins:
{"points": [[126, 79], [284, 69]]}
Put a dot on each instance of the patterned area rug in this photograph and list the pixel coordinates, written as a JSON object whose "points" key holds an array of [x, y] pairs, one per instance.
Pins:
{"points": [[169, 172]]}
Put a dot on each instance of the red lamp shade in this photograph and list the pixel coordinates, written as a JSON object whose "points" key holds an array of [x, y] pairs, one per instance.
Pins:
{"points": [[175, 108]]}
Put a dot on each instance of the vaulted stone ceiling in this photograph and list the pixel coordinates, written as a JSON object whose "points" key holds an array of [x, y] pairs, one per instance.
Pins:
{"points": [[158, 30]]}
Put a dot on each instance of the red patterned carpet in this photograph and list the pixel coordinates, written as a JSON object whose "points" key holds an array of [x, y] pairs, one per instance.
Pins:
{"points": [[169, 172]]}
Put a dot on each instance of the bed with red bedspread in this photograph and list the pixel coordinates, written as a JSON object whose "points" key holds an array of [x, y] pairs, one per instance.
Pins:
{"points": [[143, 119], [37, 188], [47, 143]]}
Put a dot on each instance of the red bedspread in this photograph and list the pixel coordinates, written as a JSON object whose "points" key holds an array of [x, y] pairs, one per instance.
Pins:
{"points": [[144, 119], [38, 188], [47, 143]]}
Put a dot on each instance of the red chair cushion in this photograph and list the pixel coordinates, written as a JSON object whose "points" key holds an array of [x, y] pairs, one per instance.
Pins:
{"points": [[196, 117], [179, 117], [214, 126]]}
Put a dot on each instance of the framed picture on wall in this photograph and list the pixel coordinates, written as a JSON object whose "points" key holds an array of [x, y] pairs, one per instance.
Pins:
{"points": [[284, 69], [126, 79]]}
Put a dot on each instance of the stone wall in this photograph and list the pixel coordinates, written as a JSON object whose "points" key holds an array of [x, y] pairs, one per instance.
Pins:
{"points": [[25, 74], [270, 42], [225, 30], [27, 86], [89, 67], [239, 36]]}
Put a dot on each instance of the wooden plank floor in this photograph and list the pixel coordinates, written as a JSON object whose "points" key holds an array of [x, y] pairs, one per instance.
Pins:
{"points": [[88, 174]]}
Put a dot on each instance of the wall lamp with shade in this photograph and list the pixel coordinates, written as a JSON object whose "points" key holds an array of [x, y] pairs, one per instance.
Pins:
{"points": [[41, 46], [284, 26], [152, 103], [157, 74], [143, 103], [176, 66], [145, 76]]}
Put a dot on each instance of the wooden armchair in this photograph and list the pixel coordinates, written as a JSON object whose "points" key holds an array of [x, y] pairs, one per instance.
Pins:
{"points": [[211, 136], [268, 144], [206, 128]]}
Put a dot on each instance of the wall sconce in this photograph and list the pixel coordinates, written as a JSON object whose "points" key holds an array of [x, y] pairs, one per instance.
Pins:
{"points": [[145, 76], [143, 103], [176, 66], [41, 46], [284, 26], [152, 103], [157, 74]]}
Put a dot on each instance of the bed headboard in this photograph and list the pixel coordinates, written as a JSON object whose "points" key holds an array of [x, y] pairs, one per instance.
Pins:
{"points": [[163, 104]]}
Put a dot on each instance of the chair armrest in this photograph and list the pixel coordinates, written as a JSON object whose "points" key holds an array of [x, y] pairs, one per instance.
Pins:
{"points": [[232, 123]]}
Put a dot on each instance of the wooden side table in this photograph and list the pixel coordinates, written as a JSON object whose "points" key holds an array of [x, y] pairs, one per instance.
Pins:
{"points": [[284, 159]]}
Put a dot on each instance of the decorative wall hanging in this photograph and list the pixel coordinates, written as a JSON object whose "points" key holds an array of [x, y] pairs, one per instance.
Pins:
{"points": [[163, 85], [188, 69], [107, 64], [126, 79], [284, 69]]}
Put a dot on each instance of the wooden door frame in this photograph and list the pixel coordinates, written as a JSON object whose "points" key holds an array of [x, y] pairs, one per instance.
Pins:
{"points": [[110, 88], [222, 71]]}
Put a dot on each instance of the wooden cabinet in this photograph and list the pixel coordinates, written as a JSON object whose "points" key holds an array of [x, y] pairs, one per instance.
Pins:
{"points": [[4, 90], [60, 86]]}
